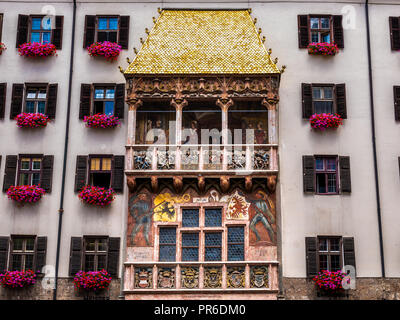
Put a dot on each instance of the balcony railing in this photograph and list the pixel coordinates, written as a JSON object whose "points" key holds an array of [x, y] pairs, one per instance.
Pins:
{"points": [[199, 158], [204, 276]]}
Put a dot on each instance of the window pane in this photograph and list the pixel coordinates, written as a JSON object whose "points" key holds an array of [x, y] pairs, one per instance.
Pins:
{"points": [[235, 243], [332, 182], [31, 94], [331, 164], [102, 24], [90, 244], [167, 253], [325, 23], [102, 36], [326, 37], [190, 239], [323, 262], [323, 245], [25, 164], [109, 108], [235, 234], [113, 24], [24, 179], [106, 165], [95, 164], [42, 94], [314, 23], [89, 262], [101, 262], [110, 93], [16, 262], [212, 254], [321, 183], [30, 244], [167, 235], [213, 239], [46, 37], [316, 93], [213, 218], [36, 23], [30, 107], [236, 252], [102, 245], [35, 179], [99, 93], [29, 262], [328, 92], [112, 36], [335, 245], [36, 164], [190, 254], [35, 37], [46, 23], [319, 164], [323, 107], [190, 218], [335, 263], [17, 244], [314, 36], [41, 107]]}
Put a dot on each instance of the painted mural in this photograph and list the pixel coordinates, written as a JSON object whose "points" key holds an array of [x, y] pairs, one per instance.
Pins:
{"points": [[256, 209]]}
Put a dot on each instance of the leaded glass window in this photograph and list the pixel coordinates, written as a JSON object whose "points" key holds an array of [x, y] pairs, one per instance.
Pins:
{"points": [[190, 218], [235, 243], [190, 247], [213, 217], [213, 246], [167, 243]]}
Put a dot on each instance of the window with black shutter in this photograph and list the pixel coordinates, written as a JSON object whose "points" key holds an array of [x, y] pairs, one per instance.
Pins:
{"points": [[95, 253], [22, 253], [3, 94], [10, 172], [1, 25], [394, 26], [81, 172], [17, 98], [396, 93], [118, 169], [100, 171], [309, 174], [113, 256], [29, 170], [75, 257], [38, 28], [311, 257], [345, 178], [40, 253], [107, 28], [320, 28], [4, 249], [323, 98]]}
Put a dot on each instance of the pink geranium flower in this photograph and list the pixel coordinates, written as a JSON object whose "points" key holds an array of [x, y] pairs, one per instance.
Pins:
{"points": [[92, 280], [2, 47], [17, 279], [323, 48], [101, 120], [25, 194], [37, 49], [330, 281], [97, 196], [325, 120], [32, 120], [107, 49]]}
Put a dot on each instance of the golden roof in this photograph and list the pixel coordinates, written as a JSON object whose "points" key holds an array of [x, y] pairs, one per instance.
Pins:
{"points": [[203, 42]]}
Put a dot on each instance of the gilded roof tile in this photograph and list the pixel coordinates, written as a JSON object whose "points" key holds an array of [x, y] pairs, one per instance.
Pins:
{"points": [[203, 42]]}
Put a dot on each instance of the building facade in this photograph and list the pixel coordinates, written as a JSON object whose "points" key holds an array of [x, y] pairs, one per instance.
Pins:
{"points": [[222, 189]]}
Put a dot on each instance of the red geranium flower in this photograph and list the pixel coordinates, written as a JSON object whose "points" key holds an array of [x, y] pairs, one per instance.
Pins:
{"points": [[31, 120], [107, 49], [17, 279], [25, 194], [323, 48], [97, 196], [101, 120], [37, 49], [325, 120], [92, 280]]}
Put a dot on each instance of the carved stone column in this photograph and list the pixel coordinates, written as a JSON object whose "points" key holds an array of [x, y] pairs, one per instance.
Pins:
{"points": [[133, 105], [178, 104], [271, 105], [224, 103]]}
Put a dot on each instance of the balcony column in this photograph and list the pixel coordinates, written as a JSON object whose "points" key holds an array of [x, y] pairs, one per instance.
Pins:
{"points": [[224, 103], [271, 105], [133, 106], [178, 104]]}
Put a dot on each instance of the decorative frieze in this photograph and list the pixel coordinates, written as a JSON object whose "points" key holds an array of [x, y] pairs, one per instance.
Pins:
{"points": [[212, 277], [143, 278], [259, 276], [189, 277], [166, 278], [236, 277]]}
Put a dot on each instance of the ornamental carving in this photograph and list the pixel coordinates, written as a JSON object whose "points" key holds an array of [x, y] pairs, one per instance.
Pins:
{"points": [[212, 277], [236, 277], [259, 276], [166, 278], [190, 277], [143, 278]]}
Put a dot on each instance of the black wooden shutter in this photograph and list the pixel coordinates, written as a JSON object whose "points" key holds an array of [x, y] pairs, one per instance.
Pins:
{"points": [[311, 257], [86, 97], [41, 248], [118, 174], [10, 172], [113, 256], [46, 176], [348, 252], [75, 258], [51, 100], [22, 32], [4, 244], [16, 100], [123, 40], [309, 174], [394, 24], [119, 100], [90, 31], [338, 31], [303, 31], [340, 92], [396, 91], [306, 93], [81, 171], [57, 33], [3, 93], [345, 179]]}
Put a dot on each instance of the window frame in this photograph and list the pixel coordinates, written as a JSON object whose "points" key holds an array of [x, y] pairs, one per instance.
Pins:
{"points": [[324, 85], [23, 252], [94, 253], [104, 87], [326, 172], [329, 253], [37, 87], [101, 156], [177, 238], [30, 171], [319, 30], [41, 31], [106, 16]]}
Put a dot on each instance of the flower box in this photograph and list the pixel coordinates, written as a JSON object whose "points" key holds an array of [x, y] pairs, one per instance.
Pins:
{"points": [[106, 49], [37, 49], [101, 120], [2, 47], [323, 48], [329, 282], [25, 194], [18, 279], [325, 121], [92, 280], [32, 120], [97, 196]]}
